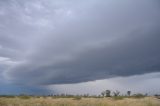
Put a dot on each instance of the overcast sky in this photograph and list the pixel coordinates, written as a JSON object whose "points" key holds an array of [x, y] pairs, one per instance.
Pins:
{"points": [[79, 46]]}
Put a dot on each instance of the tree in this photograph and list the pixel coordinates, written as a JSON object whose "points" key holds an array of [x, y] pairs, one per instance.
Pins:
{"points": [[116, 93], [103, 93], [108, 93], [128, 93]]}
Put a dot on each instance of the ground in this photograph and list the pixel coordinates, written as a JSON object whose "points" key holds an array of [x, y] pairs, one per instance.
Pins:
{"points": [[50, 101]]}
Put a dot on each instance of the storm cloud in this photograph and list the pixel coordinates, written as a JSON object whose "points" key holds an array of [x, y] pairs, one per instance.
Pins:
{"points": [[57, 42]]}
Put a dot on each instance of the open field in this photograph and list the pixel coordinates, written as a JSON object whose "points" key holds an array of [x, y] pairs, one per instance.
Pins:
{"points": [[49, 101]]}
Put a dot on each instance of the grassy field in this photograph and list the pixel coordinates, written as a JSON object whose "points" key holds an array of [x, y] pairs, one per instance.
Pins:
{"points": [[49, 101]]}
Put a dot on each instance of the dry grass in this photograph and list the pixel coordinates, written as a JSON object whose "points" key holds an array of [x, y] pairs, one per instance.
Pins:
{"points": [[148, 101]]}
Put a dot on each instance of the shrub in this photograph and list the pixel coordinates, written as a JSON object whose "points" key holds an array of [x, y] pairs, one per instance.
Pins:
{"points": [[157, 96], [77, 98], [139, 95], [7, 96], [24, 97], [118, 97], [116, 93]]}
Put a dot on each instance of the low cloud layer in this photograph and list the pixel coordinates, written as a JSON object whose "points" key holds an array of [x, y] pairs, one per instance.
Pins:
{"points": [[146, 83], [57, 42]]}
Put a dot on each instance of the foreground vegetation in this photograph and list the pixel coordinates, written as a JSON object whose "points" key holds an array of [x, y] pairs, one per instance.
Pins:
{"points": [[78, 101], [106, 98]]}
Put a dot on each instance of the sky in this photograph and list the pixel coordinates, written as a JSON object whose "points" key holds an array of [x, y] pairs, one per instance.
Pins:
{"points": [[79, 46]]}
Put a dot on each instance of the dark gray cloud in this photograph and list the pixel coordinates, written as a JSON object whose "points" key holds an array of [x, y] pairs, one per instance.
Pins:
{"points": [[57, 42], [11, 89], [146, 83]]}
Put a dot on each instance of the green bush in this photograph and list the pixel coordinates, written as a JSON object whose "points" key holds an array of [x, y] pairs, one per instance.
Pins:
{"points": [[118, 97], [138, 96], [24, 97], [7, 96], [77, 98]]}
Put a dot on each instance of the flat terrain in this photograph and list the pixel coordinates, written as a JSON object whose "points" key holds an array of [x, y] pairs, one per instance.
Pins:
{"points": [[49, 101]]}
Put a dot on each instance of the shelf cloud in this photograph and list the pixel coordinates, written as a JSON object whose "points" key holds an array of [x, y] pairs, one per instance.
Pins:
{"points": [[45, 42]]}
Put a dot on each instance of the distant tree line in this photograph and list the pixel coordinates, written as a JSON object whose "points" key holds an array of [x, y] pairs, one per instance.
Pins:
{"points": [[107, 93]]}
